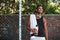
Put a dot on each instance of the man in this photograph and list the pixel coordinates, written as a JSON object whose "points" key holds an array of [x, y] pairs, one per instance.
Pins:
{"points": [[41, 23]]}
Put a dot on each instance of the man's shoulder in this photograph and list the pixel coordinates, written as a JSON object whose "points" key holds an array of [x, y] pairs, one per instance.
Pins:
{"points": [[32, 14]]}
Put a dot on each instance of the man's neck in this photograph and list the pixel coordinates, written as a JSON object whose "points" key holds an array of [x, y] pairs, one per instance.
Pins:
{"points": [[39, 15]]}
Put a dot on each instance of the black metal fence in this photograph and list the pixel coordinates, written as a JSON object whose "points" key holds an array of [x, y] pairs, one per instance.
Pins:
{"points": [[9, 27], [53, 24]]}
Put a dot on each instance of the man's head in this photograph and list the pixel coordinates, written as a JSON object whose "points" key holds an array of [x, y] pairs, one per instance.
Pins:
{"points": [[39, 9]]}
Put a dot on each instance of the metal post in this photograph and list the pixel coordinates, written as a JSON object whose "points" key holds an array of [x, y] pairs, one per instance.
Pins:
{"points": [[20, 6]]}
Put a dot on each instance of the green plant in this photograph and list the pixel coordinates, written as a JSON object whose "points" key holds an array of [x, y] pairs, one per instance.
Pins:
{"points": [[9, 6]]}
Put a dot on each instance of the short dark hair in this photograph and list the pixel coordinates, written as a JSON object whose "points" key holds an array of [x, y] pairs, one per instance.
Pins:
{"points": [[39, 5]]}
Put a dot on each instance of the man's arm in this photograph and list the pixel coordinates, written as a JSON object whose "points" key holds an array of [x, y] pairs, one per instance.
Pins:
{"points": [[45, 28], [28, 25]]}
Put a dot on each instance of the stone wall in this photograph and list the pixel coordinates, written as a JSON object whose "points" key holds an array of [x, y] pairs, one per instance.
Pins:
{"points": [[9, 27], [53, 24]]}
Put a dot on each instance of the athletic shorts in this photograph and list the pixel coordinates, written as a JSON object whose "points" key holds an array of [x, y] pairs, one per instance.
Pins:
{"points": [[37, 38]]}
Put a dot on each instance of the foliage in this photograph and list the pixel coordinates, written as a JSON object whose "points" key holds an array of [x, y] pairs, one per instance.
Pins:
{"points": [[8, 6], [29, 6], [51, 7]]}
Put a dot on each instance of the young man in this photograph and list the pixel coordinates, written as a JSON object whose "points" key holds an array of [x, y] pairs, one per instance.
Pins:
{"points": [[41, 23]]}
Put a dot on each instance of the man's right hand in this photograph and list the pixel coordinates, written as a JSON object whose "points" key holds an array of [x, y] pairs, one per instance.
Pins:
{"points": [[34, 30]]}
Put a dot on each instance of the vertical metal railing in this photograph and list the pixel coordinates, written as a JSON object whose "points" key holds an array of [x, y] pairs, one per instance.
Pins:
{"points": [[20, 6]]}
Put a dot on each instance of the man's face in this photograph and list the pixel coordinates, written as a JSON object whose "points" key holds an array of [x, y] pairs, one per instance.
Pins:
{"points": [[40, 9]]}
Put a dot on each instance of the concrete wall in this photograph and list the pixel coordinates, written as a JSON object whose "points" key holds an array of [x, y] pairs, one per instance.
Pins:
{"points": [[53, 24]]}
